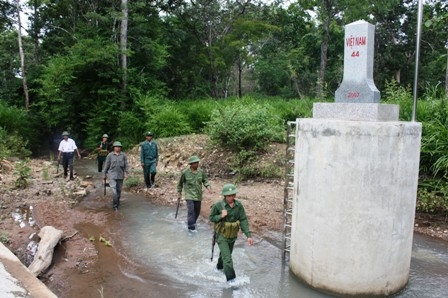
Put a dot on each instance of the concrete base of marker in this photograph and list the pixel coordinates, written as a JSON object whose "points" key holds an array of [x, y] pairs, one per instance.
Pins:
{"points": [[356, 111], [354, 208]]}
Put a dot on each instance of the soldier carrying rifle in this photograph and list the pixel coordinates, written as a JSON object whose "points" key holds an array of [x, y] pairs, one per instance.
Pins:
{"points": [[229, 217]]}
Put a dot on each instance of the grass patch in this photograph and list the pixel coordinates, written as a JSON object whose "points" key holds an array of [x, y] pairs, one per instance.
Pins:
{"points": [[4, 238], [132, 181]]}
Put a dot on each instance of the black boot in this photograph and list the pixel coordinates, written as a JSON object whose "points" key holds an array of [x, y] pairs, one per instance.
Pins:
{"points": [[230, 274], [220, 265], [153, 176]]}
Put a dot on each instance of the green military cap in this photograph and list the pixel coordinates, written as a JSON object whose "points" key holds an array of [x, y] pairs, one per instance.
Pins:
{"points": [[149, 134], [117, 144], [105, 135], [65, 133], [229, 189], [193, 159]]}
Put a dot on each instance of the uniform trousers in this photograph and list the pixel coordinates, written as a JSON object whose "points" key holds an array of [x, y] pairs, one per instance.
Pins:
{"points": [[225, 256], [116, 185], [194, 209]]}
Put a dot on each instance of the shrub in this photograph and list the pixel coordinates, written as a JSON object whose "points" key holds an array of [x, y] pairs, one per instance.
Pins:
{"points": [[245, 125], [198, 113], [11, 144], [14, 119], [23, 174], [432, 196], [15, 129], [131, 129], [169, 122]]}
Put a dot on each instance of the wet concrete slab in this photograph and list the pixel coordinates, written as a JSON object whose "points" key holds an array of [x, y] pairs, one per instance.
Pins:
{"points": [[16, 280]]}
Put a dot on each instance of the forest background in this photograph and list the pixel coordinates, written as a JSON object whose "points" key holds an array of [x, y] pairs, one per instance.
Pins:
{"points": [[235, 70]]}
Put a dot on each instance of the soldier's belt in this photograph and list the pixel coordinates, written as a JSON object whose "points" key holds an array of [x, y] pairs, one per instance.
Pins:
{"points": [[103, 153]]}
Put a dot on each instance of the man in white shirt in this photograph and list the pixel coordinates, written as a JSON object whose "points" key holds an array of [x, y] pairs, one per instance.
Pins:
{"points": [[67, 149]]}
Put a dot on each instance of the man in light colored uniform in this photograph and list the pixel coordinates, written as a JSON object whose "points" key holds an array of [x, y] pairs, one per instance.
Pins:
{"points": [[67, 149]]}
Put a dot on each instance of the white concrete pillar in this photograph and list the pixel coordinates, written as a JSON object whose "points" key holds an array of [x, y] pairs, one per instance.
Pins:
{"points": [[353, 217]]}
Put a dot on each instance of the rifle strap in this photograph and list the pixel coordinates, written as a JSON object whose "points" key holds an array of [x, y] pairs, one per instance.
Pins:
{"points": [[220, 224]]}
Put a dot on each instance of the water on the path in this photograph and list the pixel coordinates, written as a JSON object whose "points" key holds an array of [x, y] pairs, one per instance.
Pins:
{"points": [[153, 238], [163, 244]]}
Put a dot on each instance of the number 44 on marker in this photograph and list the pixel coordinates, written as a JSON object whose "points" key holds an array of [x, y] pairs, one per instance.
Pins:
{"points": [[355, 54]]}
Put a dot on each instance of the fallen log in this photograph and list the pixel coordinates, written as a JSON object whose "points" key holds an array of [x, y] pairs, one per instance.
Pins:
{"points": [[49, 238]]}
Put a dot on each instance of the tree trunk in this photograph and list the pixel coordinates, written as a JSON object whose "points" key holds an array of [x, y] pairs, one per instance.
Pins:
{"points": [[213, 75], [36, 27], [123, 44], [446, 77], [49, 238], [240, 70], [398, 76], [22, 58], [327, 11], [35, 31]]}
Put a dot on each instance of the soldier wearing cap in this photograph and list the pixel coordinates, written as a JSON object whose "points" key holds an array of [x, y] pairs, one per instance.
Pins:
{"points": [[67, 149], [229, 217], [149, 156], [116, 169], [103, 151], [191, 181]]}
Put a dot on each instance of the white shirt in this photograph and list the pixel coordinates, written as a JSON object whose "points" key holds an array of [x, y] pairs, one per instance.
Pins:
{"points": [[67, 146]]}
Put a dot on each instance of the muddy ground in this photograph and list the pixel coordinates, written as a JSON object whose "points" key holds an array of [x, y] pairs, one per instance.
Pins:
{"points": [[80, 210]]}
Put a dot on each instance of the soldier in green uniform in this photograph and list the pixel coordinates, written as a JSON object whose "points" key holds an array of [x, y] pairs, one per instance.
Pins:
{"points": [[103, 151], [191, 181], [229, 216], [149, 156]]}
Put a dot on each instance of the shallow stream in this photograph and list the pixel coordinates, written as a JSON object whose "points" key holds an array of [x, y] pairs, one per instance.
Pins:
{"points": [[150, 236]]}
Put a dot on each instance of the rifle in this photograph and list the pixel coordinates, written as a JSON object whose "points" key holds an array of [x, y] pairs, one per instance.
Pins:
{"points": [[213, 245], [57, 168], [104, 188], [177, 208]]}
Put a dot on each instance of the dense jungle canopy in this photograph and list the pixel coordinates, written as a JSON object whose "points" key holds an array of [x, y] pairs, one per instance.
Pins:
{"points": [[94, 66]]}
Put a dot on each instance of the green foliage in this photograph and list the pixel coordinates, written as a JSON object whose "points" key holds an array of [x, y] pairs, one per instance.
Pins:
{"points": [[245, 125], [163, 117], [432, 196], [249, 166], [198, 112], [131, 129], [252, 170], [169, 122], [401, 95], [131, 182], [45, 174], [15, 129], [4, 238], [150, 104], [432, 111], [22, 172], [12, 145], [290, 110]]}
